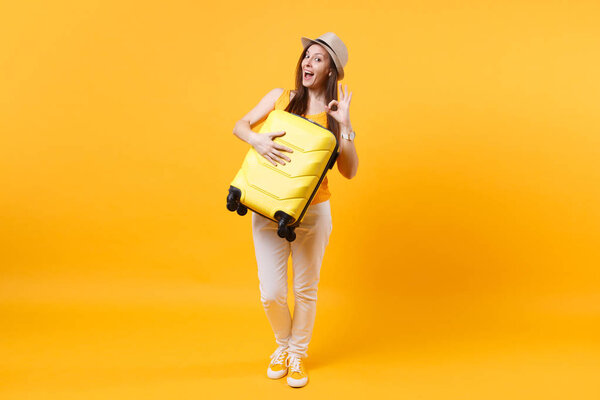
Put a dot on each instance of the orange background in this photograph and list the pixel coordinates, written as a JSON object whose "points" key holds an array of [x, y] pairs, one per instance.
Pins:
{"points": [[463, 262]]}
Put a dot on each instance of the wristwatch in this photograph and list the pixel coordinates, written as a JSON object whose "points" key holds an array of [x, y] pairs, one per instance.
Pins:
{"points": [[349, 137]]}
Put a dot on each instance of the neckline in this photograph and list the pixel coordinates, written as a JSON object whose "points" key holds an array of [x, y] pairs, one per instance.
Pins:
{"points": [[307, 115]]}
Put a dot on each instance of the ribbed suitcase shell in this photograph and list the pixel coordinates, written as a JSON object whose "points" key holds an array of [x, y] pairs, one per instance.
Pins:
{"points": [[290, 188]]}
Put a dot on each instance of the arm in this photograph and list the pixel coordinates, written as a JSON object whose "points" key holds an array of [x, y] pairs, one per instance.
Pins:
{"points": [[348, 159], [263, 143]]}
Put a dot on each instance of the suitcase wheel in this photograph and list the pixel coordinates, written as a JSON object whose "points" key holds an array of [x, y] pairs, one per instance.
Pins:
{"points": [[242, 210], [284, 219], [282, 231], [233, 199], [232, 206], [291, 235]]}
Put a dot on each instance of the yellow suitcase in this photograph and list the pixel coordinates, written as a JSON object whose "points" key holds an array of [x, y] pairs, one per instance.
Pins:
{"points": [[283, 193]]}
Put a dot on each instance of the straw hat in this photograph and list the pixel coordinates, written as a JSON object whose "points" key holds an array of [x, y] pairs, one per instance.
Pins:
{"points": [[334, 46]]}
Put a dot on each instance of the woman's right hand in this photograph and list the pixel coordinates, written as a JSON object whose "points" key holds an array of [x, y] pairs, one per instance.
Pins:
{"points": [[265, 146]]}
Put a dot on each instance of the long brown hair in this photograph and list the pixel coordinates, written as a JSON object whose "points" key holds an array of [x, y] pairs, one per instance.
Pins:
{"points": [[299, 104]]}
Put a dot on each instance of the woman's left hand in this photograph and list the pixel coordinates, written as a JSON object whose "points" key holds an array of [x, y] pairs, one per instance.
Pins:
{"points": [[342, 113]]}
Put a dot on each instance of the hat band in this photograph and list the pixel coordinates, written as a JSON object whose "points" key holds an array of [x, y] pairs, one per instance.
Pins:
{"points": [[323, 42]]}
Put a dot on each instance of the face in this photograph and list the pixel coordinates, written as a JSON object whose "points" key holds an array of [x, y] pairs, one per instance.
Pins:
{"points": [[315, 67]]}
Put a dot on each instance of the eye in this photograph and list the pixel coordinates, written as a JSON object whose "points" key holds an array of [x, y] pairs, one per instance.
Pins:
{"points": [[318, 59]]}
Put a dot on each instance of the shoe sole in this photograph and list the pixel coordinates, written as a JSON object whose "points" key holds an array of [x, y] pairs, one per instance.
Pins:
{"points": [[276, 374], [297, 383]]}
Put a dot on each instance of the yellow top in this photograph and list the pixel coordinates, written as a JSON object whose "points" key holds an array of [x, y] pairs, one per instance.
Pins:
{"points": [[282, 102]]}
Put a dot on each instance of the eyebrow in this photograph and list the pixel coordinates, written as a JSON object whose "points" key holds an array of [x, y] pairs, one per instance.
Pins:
{"points": [[308, 52]]}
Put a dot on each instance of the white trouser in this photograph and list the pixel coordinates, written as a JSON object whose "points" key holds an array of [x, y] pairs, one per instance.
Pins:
{"points": [[272, 253]]}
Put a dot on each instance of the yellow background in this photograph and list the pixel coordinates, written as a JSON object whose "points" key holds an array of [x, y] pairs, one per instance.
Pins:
{"points": [[463, 262]]}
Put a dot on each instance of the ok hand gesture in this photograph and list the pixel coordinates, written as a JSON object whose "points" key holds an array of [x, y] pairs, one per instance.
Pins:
{"points": [[342, 113]]}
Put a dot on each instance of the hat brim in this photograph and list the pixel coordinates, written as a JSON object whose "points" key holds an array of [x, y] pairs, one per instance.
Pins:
{"points": [[336, 61]]}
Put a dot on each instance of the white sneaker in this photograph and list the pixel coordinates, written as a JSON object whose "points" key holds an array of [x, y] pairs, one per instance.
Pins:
{"points": [[278, 365], [297, 376]]}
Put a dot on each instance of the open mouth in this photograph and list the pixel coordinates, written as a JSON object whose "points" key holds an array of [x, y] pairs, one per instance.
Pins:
{"points": [[308, 75]]}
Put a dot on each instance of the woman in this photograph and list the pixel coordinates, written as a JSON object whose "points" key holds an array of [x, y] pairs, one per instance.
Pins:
{"points": [[320, 67]]}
